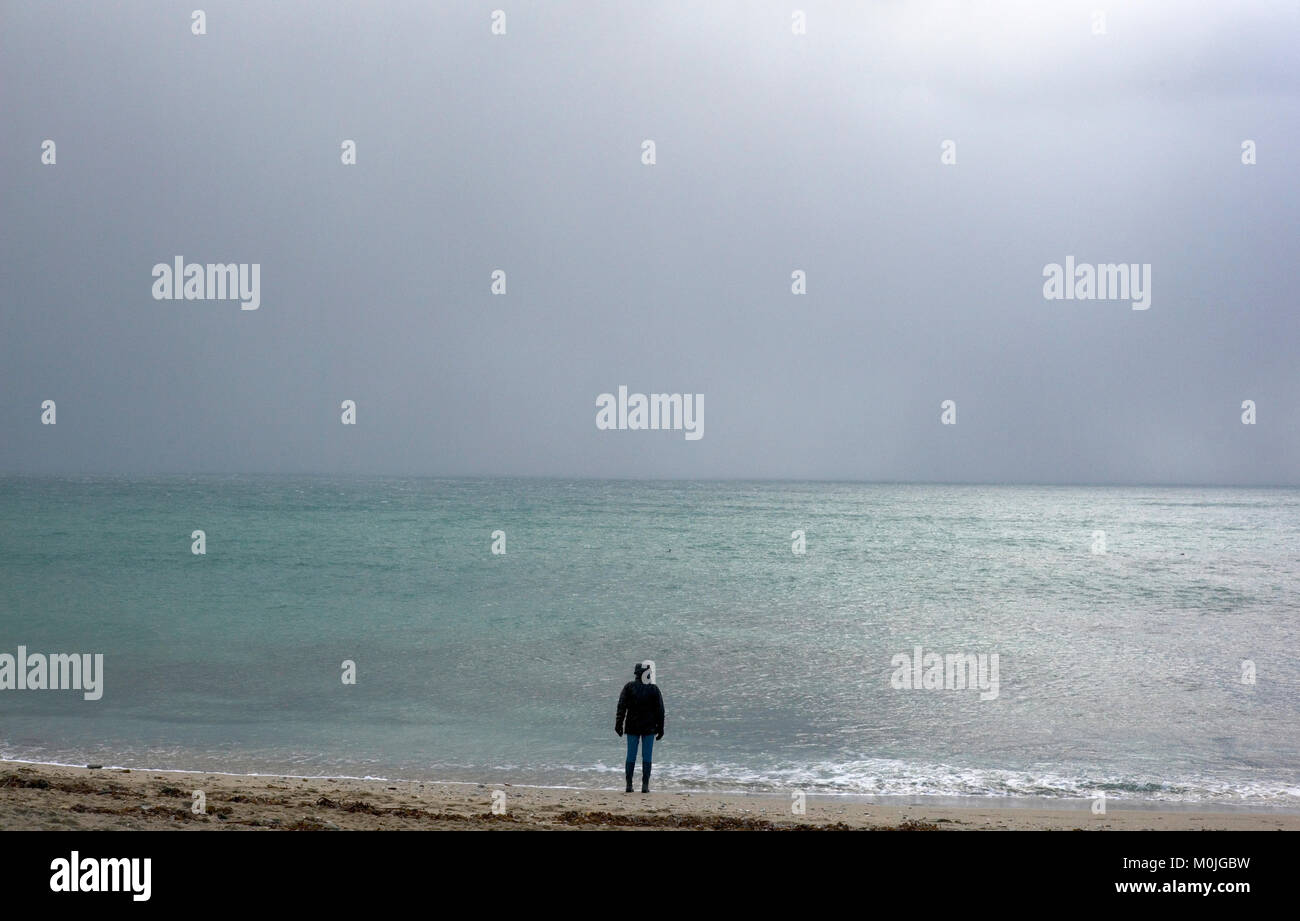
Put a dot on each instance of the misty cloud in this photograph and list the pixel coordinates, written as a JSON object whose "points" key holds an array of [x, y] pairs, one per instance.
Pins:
{"points": [[774, 152]]}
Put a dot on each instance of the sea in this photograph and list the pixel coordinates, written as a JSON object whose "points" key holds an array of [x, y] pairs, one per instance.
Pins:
{"points": [[480, 630]]}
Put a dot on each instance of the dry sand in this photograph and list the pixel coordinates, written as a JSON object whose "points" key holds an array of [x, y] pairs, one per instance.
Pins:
{"points": [[48, 797]]}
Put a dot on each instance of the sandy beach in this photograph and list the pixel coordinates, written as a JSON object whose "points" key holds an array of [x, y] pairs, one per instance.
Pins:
{"points": [[53, 798]]}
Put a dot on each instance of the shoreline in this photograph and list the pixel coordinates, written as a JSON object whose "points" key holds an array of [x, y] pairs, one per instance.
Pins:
{"points": [[53, 797], [959, 801]]}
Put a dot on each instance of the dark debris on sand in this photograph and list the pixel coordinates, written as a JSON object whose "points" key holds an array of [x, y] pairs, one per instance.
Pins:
{"points": [[721, 823]]}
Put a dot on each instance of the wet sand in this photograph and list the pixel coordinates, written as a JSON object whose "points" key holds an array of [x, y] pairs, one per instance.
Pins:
{"points": [[52, 798]]}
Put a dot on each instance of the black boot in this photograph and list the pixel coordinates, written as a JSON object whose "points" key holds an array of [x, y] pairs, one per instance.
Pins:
{"points": [[645, 777], [630, 768]]}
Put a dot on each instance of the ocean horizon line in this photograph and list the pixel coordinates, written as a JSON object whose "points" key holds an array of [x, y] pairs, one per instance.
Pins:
{"points": [[584, 478]]}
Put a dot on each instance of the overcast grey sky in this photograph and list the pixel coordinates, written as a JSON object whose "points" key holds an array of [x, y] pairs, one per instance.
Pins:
{"points": [[775, 152]]}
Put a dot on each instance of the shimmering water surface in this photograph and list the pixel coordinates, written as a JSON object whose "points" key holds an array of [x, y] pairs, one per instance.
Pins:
{"points": [[1118, 672]]}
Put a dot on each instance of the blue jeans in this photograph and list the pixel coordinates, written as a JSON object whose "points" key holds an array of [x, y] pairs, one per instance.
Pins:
{"points": [[647, 746]]}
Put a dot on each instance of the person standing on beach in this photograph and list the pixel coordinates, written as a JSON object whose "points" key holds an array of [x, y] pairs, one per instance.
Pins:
{"points": [[641, 716]]}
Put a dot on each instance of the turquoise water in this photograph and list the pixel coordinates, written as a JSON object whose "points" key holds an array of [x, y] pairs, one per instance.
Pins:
{"points": [[1119, 672]]}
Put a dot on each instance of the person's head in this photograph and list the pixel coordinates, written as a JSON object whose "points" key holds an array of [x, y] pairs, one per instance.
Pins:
{"points": [[644, 672]]}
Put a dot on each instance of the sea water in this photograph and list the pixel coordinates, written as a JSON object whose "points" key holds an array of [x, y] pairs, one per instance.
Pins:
{"points": [[1153, 662]]}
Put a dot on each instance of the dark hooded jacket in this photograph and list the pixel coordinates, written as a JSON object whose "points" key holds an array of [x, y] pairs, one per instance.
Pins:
{"points": [[640, 710]]}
